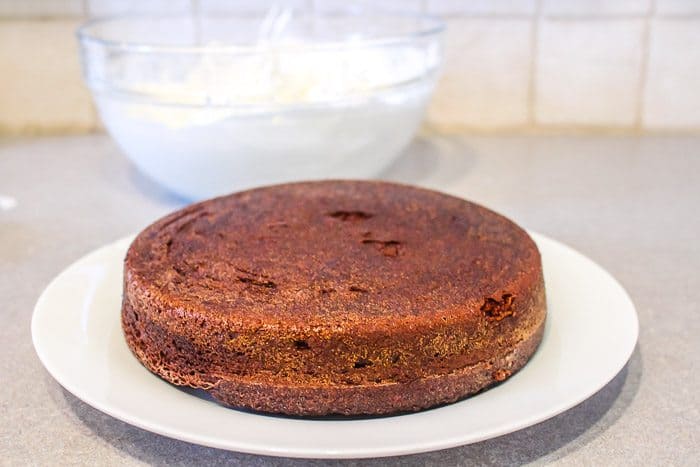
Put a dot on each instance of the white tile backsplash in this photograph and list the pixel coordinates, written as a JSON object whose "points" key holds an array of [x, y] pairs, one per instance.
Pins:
{"points": [[672, 91], [481, 7], [595, 7], [588, 72], [678, 7], [41, 85], [486, 76], [40, 8], [510, 64]]}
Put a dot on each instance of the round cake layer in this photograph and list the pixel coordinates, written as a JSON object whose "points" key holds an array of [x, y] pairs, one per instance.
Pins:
{"points": [[334, 297]]}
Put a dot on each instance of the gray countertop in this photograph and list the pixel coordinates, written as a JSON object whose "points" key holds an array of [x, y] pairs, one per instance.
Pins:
{"points": [[631, 204]]}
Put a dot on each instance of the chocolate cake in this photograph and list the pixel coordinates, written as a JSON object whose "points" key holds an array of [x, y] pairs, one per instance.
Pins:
{"points": [[335, 297]]}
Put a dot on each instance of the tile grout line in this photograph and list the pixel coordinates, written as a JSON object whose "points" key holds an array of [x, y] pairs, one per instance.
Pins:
{"points": [[644, 68], [532, 72], [96, 125]]}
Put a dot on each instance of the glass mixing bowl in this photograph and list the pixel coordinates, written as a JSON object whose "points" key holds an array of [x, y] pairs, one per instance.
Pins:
{"points": [[205, 105]]}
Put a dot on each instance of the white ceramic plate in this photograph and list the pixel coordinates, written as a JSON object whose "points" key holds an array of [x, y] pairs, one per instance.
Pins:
{"points": [[590, 334]]}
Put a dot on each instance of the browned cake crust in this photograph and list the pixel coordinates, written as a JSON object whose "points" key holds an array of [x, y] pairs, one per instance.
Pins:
{"points": [[334, 297]]}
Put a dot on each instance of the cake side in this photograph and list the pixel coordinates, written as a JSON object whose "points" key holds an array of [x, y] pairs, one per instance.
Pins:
{"points": [[290, 397], [337, 354]]}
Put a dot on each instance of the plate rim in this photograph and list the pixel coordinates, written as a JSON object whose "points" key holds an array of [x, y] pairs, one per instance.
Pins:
{"points": [[342, 453]]}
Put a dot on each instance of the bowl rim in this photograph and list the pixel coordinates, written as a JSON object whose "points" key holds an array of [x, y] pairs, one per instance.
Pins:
{"points": [[86, 34]]}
